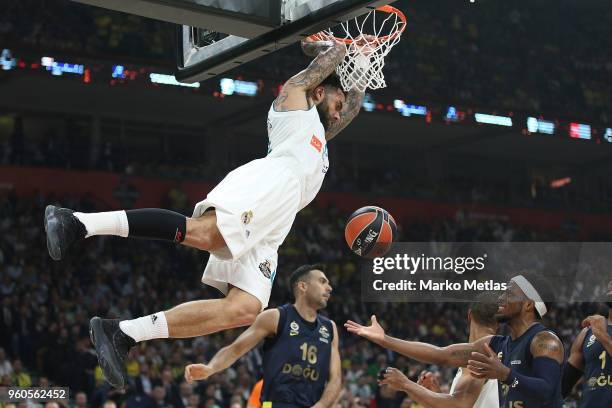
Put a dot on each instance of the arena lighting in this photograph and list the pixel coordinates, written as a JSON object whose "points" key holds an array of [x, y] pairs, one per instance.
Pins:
{"points": [[493, 119], [454, 115], [233, 86], [6, 60], [59, 68], [170, 80], [118, 71], [540, 126], [409, 110], [368, 104], [580, 131], [558, 183], [608, 135]]}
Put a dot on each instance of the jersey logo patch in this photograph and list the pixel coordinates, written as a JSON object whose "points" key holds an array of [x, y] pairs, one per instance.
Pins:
{"points": [[295, 329], [592, 340], [324, 334], [316, 143], [266, 268], [246, 217]]}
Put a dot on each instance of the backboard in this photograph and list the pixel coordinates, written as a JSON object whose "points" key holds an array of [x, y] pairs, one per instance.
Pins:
{"points": [[214, 36]]}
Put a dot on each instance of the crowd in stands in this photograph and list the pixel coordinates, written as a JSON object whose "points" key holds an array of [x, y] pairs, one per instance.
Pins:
{"points": [[46, 307], [496, 55], [71, 149], [400, 180]]}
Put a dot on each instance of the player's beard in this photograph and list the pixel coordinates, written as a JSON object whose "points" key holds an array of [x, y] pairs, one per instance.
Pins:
{"points": [[503, 318], [323, 109]]}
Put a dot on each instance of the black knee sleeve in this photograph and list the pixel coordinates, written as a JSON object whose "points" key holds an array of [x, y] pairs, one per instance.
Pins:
{"points": [[156, 223]]}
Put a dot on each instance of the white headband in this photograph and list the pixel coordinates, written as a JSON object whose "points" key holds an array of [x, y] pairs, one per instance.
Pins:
{"points": [[531, 293]]}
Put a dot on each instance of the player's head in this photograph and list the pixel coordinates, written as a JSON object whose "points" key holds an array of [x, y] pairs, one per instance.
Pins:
{"points": [[329, 98], [483, 311], [524, 297], [609, 295], [308, 282]]}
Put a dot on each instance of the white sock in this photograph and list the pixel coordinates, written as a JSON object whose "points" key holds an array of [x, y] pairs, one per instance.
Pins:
{"points": [[105, 223], [148, 327]]}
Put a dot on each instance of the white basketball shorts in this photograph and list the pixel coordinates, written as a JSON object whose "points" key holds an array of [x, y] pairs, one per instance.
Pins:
{"points": [[255, 206]]}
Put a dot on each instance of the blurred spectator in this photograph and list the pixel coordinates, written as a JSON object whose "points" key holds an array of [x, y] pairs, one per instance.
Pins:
{"points": [[126, 193], [80, 400], [5, 365], [21, 378]]}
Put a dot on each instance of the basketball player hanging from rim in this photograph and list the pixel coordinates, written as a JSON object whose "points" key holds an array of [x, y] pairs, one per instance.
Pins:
{"points": [[242, 221]]}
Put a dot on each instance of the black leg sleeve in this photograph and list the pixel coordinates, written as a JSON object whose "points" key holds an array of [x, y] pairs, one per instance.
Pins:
{"points": [[156, 223]]}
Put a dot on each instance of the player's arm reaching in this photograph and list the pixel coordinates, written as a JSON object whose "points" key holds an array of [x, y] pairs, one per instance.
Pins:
{"points": [[464, 395], [334, 381], [265, 325], [599, 326], [294, 93], [455, 355], [548, 354], [354, 98], [574, 369]]}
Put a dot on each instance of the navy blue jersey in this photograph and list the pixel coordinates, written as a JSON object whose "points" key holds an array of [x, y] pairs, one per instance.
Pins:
{"points": [[597, 390], [296, 361], [516, 354]]}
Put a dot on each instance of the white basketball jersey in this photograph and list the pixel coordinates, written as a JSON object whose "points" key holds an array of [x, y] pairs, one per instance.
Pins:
{"points": [[299, 134], [488, 397]]}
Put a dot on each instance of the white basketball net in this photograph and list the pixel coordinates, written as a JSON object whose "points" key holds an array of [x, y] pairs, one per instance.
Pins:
{"points": [[370, 38]]}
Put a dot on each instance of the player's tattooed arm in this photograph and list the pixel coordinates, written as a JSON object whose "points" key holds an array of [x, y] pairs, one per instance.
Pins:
{"points": [[351, 108], [293, 94], [320, 68], [314, 48], [547, 344]]}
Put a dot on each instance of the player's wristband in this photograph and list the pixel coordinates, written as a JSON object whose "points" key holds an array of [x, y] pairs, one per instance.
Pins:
{"points": [[546, 375]]}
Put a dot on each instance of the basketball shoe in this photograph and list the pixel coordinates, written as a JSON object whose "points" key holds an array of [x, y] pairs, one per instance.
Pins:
{"points": [[112, 347], [63, 229]]}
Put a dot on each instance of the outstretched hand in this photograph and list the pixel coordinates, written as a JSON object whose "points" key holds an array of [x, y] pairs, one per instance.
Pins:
{"points": [[318, 43], [195, 372], [374, 332], [487, 365], [598, 324], [430, 381], [394, 378]]}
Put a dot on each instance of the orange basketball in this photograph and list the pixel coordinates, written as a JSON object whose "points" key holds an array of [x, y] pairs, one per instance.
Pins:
{"points": [[370, 231]]}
